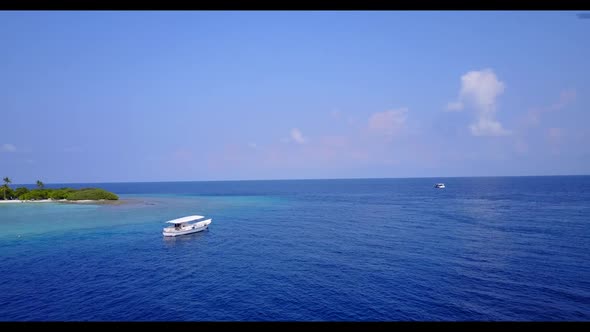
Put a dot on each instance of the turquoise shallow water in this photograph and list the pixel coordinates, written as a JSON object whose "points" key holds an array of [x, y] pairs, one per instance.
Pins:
{"points": [[317, 250], [28, 219]]}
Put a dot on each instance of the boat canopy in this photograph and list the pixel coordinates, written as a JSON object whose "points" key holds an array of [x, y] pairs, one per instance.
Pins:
{"points": [[184, 219]]}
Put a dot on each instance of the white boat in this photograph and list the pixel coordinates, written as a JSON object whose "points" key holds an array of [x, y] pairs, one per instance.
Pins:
{"points": [[439, 186], [182, 226]]}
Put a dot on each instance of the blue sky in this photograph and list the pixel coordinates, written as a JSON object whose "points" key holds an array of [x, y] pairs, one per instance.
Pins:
{"points": [[183, 96]]}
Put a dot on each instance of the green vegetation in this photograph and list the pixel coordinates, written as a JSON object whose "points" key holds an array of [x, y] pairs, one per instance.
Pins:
{"points": [[61, 193], [41, 192], [5, 187], [36, 194], [91, 193], [20, 191]]}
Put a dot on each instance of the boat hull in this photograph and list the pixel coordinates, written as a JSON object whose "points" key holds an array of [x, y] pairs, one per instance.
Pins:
{"points": [[185, 231]]}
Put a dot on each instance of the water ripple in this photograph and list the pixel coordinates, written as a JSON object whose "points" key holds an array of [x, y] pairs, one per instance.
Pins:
{"points": [[337, 250]]}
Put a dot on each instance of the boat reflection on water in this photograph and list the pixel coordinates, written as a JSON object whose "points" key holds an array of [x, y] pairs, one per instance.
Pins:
{"points": [[172, 241]]}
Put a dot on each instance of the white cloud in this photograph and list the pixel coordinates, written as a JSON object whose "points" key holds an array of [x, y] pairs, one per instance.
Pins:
{"points": [[389, 122], [252, 145], [480, 90], [6, 147], [481, 87], [555, 137], [565, 98], [455, 106], [297, 136], [555, 133], [487, 127]]}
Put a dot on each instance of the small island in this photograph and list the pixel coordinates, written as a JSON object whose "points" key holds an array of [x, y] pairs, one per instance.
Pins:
{"points": [[42, 194]]}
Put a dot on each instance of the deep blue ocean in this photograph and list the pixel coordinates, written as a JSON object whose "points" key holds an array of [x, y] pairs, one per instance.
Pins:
{"points": [[483, 249]]}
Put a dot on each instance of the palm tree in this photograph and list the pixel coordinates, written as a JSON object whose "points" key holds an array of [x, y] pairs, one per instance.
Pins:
{"points": [[40, 184], [5, 186]]}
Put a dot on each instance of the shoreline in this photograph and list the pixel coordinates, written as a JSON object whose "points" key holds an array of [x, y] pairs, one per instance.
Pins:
{"points": [[29, 201], [85, 201]]}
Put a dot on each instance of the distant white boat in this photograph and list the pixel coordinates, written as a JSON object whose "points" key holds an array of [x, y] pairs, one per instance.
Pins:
{"points": [[439, 186], [184, 226]]}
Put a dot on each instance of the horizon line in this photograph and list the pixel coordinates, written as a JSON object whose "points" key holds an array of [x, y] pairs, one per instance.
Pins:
{"points": [[313, 179]]}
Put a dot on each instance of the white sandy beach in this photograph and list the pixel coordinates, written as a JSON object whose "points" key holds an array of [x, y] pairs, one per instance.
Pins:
{"points": [[30, 201], [48, 201]]}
